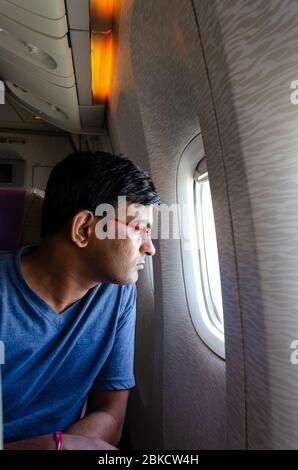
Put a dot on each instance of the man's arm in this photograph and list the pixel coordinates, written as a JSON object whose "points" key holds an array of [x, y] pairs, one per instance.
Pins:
{"points": [[102, 424], [105, 416], [70, 442]]}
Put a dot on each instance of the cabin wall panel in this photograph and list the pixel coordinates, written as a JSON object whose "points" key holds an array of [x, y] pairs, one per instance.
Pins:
{"points": [[250, 52], [144, 417], [153, 117]]}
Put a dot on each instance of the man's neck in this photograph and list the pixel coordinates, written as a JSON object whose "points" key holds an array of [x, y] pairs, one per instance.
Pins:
{"points": [[53, 272]]}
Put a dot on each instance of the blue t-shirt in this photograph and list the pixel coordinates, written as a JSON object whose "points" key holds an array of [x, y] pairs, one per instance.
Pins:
{"points": [[52, 361]]}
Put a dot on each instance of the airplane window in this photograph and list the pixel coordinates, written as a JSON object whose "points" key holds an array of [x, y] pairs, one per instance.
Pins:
{"points": [[208, 254], [200, 260]]}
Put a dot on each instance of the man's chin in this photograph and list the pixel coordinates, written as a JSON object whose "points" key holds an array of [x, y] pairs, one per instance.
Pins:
{"points": [[127, 280], [132, 280]]}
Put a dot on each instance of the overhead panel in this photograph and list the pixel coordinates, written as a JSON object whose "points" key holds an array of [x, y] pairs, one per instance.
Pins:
{"points": [[80, 41], [91, 111], [36, 61], [53, 9], [50, 53], [61, 78], [55, 27], [10, 70], [55, 111], [23, 118], [79, 28]]}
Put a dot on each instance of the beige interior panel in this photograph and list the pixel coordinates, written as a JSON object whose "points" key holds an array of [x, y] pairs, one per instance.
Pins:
{"points": [[56, 27], [53, 9], [66, 118], [153, 116], [51, 54]]}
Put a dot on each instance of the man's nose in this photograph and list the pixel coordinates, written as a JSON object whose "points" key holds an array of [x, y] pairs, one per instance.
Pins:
{"points": [[147, 247]]}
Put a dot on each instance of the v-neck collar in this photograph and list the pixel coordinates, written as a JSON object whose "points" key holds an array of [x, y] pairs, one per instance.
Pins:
{"points": [[43, 307]]}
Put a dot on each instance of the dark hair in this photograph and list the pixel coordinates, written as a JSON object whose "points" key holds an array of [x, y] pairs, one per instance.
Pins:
{"points": [[83, 180]]}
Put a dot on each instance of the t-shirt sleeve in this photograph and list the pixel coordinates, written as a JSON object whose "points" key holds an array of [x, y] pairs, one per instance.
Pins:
{"points": [[118, 370]]}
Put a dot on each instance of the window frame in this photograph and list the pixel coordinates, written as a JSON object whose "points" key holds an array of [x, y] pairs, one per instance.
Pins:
{"points": [[190, 158]]}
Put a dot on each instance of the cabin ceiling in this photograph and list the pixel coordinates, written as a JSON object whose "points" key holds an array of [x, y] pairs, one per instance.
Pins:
{"points": [[37, 97]]}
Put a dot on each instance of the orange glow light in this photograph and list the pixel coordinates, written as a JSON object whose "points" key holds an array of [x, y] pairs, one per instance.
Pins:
{"points": [[102, 9], [101, 63]]}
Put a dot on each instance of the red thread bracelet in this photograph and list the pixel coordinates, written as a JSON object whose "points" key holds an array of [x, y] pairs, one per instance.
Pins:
{"points": [[58, 438]]}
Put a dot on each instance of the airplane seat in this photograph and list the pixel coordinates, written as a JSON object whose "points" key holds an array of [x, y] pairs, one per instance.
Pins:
{"points": [[20, 221], [20, 217]]}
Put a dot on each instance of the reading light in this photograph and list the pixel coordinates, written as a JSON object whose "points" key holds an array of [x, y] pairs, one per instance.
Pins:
{"points": [[102, 46], [101, 64]]}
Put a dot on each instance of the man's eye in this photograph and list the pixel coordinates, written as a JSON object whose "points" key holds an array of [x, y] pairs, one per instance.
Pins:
{"points": [[143, 228]]}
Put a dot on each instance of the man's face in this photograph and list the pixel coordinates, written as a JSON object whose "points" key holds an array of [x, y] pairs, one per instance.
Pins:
{"points": [[119, 258]]}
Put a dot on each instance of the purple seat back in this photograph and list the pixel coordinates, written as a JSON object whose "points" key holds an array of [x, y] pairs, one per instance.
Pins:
{"points": [[12, 207]]}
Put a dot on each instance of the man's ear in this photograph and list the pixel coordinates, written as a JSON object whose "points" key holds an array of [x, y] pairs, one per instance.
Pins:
{"points": [[81, 228]]}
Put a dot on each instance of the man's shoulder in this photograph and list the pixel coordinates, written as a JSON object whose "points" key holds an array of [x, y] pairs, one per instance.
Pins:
{"points": [[128, 291], [124, 289], [128, 296], [125, 293]]}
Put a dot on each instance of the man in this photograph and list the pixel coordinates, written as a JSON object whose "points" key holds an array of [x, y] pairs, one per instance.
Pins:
{"points": [[67, 313]]}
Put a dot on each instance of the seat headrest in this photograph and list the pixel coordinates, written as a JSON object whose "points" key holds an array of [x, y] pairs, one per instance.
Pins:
{"points": [[20, 216]]}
